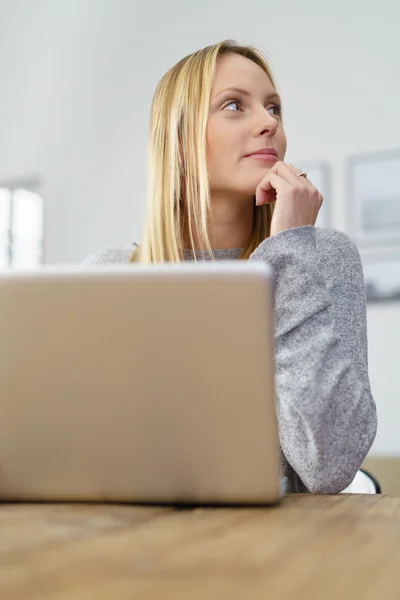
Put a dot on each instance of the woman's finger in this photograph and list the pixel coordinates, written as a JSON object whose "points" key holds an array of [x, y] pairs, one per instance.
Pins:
{"points": [[303, 179], [274, 183], [288, 172], [308, 184]]}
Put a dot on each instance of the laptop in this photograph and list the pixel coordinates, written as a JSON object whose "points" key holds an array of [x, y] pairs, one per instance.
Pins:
{"points": [[139, 384]]}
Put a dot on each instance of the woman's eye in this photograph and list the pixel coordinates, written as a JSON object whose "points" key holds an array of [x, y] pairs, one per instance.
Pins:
{"points": [[232, 103], [236, 105], [277, 110]]}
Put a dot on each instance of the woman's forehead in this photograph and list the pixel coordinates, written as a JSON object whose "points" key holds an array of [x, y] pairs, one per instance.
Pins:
{"points": [[236, 71]]}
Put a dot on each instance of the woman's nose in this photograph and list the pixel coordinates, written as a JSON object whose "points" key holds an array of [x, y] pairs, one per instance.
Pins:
{"points": [[267, 124]]}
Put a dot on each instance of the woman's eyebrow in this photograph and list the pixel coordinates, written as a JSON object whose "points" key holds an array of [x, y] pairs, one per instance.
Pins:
{"points": [[273, 96]]}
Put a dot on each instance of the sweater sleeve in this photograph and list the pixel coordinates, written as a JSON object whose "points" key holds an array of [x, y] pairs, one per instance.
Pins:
{"points": [[326, 413], [109, 256]]}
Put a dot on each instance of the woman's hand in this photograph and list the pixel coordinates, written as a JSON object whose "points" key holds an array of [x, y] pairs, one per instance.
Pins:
{"points": [[297, 200]]}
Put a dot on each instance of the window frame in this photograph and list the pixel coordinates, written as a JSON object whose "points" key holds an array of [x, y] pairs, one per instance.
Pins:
{"points": [[30, 185]]}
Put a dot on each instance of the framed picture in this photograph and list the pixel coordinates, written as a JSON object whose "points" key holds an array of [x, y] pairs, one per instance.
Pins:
{"points": [[374, 199], [382, 278], [319, 175]]}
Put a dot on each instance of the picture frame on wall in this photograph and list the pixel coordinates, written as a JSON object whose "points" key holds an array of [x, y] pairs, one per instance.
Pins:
{"points": [[318, 172], [374, 198], [382, 278]]}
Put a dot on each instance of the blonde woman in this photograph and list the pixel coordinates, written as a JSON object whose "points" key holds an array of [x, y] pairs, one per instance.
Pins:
{"points": [[218, 188]]}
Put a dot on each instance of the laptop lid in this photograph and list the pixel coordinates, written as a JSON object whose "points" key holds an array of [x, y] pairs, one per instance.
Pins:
{"points": [[144, 384]]}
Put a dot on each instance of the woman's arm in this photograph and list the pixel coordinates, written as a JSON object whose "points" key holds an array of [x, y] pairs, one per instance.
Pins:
{"points": [[326, 413], [109, 256]]}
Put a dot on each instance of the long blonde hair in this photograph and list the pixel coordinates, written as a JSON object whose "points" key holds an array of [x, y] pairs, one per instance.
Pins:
{"points": [[178, 188]]}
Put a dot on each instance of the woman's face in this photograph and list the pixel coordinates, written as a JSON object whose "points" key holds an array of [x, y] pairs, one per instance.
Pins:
{"points": [[244, 117]]}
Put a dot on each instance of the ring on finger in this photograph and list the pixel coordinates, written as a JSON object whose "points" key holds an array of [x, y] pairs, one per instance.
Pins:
{"points": [[298, 172]]}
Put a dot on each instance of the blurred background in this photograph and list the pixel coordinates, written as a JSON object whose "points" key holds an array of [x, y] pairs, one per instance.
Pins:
{"points": [[77, 79]]}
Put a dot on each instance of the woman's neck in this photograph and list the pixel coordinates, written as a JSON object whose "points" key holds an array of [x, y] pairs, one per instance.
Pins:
{"points": [[231, 225]]}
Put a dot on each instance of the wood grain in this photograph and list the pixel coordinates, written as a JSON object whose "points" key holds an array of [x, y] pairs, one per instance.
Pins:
{"points": [[314, 547]]}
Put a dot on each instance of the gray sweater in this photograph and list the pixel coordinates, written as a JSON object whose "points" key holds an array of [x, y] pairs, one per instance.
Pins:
{"points": [[326, 413]]}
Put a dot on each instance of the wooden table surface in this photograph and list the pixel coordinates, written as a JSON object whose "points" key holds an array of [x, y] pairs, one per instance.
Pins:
{"points": [[327, 547]]}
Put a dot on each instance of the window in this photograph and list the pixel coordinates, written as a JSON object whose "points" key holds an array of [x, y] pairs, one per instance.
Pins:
{"points": [[21, 227]]}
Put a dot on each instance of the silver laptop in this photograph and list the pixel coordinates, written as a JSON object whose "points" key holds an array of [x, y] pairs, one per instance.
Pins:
{"points": [[139, 384]]}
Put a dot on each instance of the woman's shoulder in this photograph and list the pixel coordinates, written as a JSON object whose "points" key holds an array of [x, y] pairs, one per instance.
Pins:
{"points": [[110, 256]]}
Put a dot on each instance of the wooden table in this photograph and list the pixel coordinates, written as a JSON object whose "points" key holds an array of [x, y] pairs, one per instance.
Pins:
{"points": [[310, 547]]}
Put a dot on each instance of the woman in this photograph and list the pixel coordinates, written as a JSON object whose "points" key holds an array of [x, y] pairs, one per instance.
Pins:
{"points": [[219, 189]]}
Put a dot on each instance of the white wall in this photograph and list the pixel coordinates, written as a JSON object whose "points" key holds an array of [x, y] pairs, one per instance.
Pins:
{"points": [[76, 81]]}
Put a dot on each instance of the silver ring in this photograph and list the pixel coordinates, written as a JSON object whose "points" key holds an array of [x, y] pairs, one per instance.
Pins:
{"points": [[302, 174]]}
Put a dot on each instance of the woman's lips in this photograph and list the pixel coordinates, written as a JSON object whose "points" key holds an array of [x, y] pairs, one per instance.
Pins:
{"points": [[265, 157], [268, 154]]}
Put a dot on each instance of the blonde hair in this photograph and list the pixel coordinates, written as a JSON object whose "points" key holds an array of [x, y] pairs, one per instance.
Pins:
{"points": [[178, 188]]}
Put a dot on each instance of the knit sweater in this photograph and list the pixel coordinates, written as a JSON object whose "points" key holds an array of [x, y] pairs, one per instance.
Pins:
{"points": [[326, 413]]}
